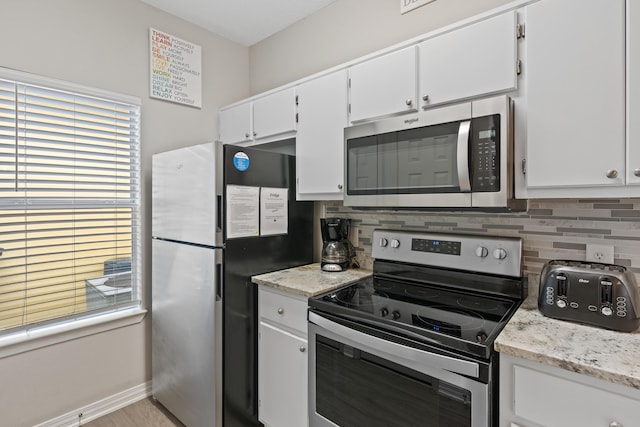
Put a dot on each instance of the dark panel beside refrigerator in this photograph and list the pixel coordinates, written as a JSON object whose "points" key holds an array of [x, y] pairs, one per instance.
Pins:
{"points": [[249, 256]]}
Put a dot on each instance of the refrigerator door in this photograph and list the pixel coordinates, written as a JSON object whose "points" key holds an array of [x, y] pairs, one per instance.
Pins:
{"points": [[248, 256], [185, 190], [186, 331]]}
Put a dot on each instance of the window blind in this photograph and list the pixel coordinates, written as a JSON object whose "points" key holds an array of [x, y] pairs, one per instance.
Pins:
{"points": [[69, 205]]}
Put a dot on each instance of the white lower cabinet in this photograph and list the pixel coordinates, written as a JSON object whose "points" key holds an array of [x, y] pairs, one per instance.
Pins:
{"points": [[537, 395], [282, 359]]}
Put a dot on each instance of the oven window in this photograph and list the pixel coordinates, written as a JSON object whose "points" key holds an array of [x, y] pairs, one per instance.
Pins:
{"points": [[422, 160], [355, 389]]}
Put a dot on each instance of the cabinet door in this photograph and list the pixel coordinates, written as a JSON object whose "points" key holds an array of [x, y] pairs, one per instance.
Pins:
{"points": [[474, 60], [633, 92], [575, 72], [274, 114], [551, 401], [235, 124], [282, 378], [384, 86], [322, 117], [535, 394]]}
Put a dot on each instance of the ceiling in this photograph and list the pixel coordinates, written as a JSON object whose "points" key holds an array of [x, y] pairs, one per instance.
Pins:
{"points": [[243, 21]]}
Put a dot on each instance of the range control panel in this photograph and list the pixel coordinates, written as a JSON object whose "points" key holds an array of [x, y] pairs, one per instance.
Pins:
{"points": [[436, 246], [476, 253]]}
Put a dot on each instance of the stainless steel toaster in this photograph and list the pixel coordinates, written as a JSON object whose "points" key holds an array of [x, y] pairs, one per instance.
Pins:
{"points": [[604, 295]]}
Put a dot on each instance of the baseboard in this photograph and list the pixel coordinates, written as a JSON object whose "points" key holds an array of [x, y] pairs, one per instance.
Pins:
{"points": [[102, 407]]}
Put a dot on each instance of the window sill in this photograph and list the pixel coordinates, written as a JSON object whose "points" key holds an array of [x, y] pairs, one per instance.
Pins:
{"points": [[23, 341]]}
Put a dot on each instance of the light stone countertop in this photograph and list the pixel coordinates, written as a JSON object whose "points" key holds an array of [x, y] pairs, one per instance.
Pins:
{"points": [[309, 280], [600, 353]]}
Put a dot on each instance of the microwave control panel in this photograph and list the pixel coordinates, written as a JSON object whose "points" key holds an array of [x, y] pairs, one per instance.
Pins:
{"points": [[485, 153]]}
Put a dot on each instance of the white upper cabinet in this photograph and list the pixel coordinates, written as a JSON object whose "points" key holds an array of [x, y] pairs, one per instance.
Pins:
{"points": [[384, 86], [475, 60], [266, 117], [235, 123], [633, 92], [322, 117], [274, 114], [575, 74]]}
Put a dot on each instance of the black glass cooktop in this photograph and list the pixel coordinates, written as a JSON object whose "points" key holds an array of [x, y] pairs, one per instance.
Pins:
{"points": [[456, 320]]}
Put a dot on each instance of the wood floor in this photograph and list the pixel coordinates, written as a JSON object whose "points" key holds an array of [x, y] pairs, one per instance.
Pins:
{"points": [[145, 413]]}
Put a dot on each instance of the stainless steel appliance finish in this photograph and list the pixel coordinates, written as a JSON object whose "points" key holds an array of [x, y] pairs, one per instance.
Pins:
{"points": [[186, 317], [455, 377], [415, 342], [458, 156], [204, 370], [604, 295]]}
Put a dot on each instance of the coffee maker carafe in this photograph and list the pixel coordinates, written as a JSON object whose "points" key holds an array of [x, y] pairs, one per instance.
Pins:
{"points": [[337, 250]]}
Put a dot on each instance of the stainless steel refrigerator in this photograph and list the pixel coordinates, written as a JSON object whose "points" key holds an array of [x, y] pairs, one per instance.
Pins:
{"points": [[220, 214]]}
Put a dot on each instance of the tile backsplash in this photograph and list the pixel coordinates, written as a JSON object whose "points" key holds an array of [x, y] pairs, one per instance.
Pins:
{"points": [[550, 229]]}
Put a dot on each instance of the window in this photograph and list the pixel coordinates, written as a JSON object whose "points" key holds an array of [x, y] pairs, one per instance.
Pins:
{"points": [[69, 202]]}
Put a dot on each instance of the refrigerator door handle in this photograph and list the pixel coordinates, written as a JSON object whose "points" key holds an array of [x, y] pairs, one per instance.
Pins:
{"points": [[218, 282], [219, 216]]}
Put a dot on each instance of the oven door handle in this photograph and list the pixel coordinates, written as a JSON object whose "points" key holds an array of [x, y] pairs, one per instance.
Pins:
{"points": [[463, 156], [395, 351]]}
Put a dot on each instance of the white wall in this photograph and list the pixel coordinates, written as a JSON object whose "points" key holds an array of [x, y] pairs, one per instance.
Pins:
{"points": [[346, 30], [104, 44]]}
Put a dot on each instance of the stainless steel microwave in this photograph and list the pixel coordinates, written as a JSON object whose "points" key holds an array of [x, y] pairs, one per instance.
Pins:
{"points": [[458, 156]]}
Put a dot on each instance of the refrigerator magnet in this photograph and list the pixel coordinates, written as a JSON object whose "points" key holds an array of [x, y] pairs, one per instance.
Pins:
{"points": [[241, 161]]}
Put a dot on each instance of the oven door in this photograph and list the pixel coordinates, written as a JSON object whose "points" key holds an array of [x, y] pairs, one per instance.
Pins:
{"points": [[356, 379]]}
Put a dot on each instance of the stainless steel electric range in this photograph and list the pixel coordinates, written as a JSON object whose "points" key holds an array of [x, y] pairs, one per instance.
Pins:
{"points": [[413, 346]]}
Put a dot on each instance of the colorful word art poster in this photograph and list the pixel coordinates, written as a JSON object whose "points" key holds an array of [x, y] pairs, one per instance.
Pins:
{"points": [[176, 69]]}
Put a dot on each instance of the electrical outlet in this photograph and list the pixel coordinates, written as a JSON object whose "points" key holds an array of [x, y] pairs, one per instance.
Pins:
{"points": [[600, 253], [354, 236]]}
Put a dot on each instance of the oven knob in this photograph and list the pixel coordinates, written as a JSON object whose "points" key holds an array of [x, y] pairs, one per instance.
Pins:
{"points": [[499, 253], [383, 242], [395, 243], [395, 315], [482, 252], [384, 311], [481, 336]]}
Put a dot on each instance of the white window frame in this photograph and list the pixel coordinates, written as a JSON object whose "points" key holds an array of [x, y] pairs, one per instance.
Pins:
{"points": [[37, 336]]}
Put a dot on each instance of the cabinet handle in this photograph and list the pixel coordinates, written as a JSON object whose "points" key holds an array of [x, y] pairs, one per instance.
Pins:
{"points": [[303, 349], [1, 250], [636, 172], [615, 424], [255, 133], [425, 98], [612, 173], [281, 311], [339, 186], [246, 135], [409, 101]]}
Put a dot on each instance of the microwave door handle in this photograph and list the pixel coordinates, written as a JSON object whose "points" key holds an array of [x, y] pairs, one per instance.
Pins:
{"points": [[463, 156]]}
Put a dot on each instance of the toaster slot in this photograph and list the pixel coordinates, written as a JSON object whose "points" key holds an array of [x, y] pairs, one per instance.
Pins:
{"points": [[606, 296], [561, 285]]}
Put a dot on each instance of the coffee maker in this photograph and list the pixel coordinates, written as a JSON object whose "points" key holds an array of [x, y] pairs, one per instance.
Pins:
{"points": [[337, 250]]}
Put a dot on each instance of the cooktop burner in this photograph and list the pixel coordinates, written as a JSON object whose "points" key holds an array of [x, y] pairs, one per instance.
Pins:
{"points": [[466, 322]]}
